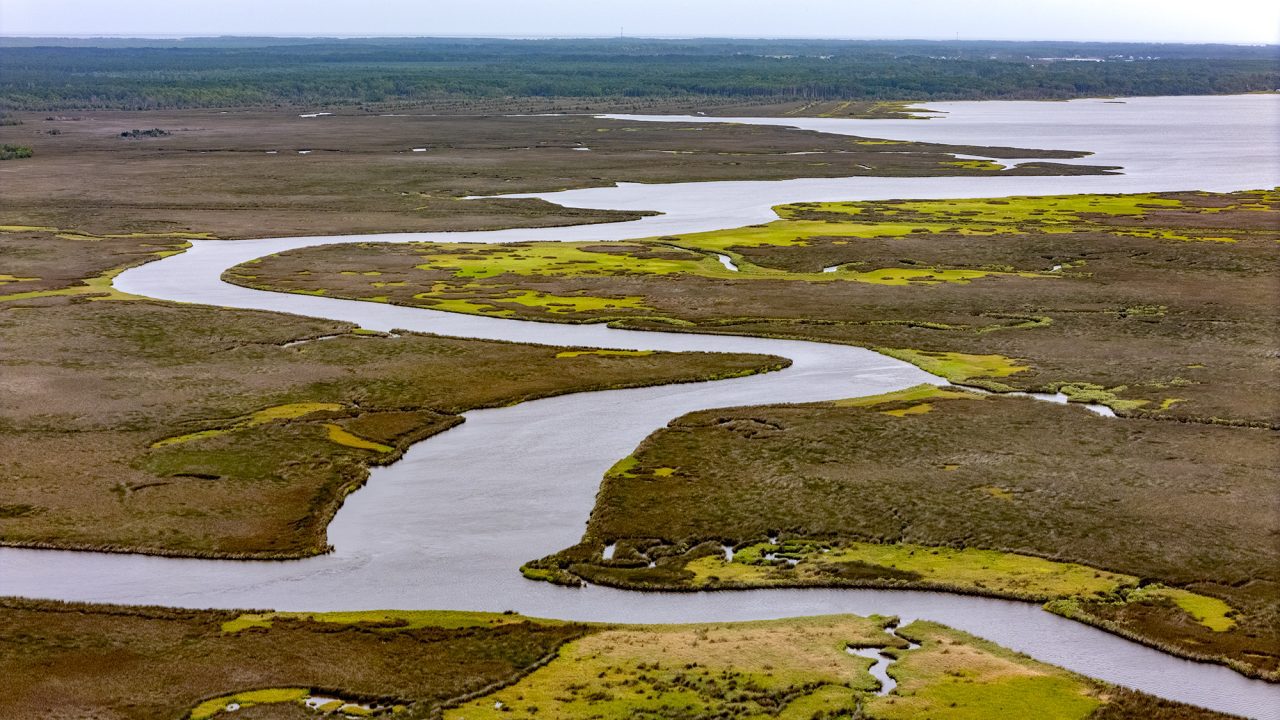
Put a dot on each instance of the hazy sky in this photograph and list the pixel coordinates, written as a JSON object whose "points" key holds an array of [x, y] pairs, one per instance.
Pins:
{"points": [[1238, 21]]}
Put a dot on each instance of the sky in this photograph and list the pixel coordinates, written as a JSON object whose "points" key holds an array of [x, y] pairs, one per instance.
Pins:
{"points": [[1231, 21]]}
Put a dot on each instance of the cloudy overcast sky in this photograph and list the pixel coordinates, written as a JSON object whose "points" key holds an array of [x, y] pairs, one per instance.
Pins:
{"points": [[1236, 21]]}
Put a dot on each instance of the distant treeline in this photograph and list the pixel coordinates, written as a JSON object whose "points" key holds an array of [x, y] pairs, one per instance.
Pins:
{"points": [[222, 72]]}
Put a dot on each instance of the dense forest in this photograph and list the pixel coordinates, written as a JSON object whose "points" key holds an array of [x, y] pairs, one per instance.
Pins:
{"points": [[48, 74]]}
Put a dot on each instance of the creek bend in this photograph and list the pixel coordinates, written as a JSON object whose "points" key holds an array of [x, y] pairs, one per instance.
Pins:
{"points": [[449, 524]]}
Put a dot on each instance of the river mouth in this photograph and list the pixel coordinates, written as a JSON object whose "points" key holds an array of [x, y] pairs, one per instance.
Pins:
{"points": [[449, 525]]}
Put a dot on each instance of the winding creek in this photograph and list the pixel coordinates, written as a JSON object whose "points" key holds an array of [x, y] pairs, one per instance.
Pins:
{"points": [[883, 659], [449, 524]]}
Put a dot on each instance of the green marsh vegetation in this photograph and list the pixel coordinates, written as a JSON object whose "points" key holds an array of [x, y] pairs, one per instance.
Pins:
{"points": [[112, 662], [1155, 530], [1146, 303], [140, 426], [14, 152], [794, 670]]}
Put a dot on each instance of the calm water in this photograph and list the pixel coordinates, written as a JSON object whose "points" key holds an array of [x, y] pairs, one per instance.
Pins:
{"points": [[448, 526]]}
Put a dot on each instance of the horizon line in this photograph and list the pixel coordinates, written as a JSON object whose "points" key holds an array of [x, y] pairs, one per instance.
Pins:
{"points": [[483, 36]]}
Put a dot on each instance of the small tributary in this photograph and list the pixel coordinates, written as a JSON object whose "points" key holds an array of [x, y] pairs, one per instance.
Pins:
{"points": [[883, 657]]}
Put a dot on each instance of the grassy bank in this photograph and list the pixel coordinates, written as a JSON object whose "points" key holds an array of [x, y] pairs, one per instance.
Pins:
{"points": [[1147, 303], [948, 490], [140, 426], [117, 663], [64, 660]]}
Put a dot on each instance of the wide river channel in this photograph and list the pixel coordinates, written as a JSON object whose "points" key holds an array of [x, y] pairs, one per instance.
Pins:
{"points": [[449, 524]]}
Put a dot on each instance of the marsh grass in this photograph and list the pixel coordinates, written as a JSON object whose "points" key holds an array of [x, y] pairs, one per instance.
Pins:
{"points": [[796, 669], [74, 660], [1146, 303], [138, 426], [146, 663], [1107, 522], [1136, 301], [362, 177]]}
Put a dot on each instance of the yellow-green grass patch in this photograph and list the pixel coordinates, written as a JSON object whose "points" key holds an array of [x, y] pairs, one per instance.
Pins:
{"points": [[551, 259], [1019, 210], [249, 698], [623, 353], [995, 492], [915, 393], [694, 671], [98, 287], [188, 437], [1092, 393], [1171, 235], [967, 568], [554, 259], [959, 677], [340, 436], [623, 467], [918, 409], [443, 297], [290, 411], [787, 233], [434, 301], [1208, 611], [973, 164], [958, 367], [287, 411], [574, 303]]}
